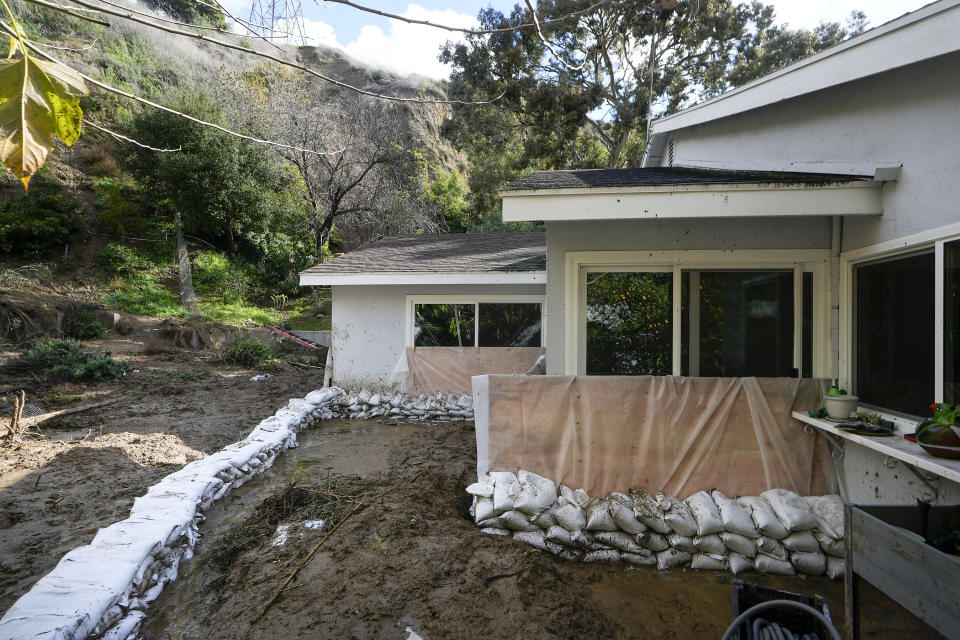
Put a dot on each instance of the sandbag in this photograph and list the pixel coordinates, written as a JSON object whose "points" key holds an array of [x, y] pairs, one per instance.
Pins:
{"points": [[644, 558], [737, 518], [836, 567], [603, 555], [622, 512], [653, 541], [829, 513], [765, 518], [571, 517], [533, 538], [772, 566], [587, 541], [618, 540], [739, 564], [710, 544], [598, 516], [483, 510], [545, 519], [707, 562], [516, 521], [811, 564], [741, 544], [506, 488], [649, 512], [830, 546], [681, 543], [671, 558], [801, 541], [706, 514], [790, 508], [481, 489], [559, 535], [771, 547], [537, 493], [496, 531], [677, 515]]}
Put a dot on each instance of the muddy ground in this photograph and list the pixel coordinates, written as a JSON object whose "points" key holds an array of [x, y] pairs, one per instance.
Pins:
{"points": [[83, 474], [411, 558]]}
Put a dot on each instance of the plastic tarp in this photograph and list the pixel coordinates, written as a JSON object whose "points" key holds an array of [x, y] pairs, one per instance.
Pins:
{"points": [[676, 434], [433, 370]]}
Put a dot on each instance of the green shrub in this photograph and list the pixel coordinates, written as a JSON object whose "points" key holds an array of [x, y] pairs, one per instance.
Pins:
{"points": [[223, 276], [66, 360], [83, 325], [249, 352], [119, 208], [143, 295], [31, 225], [122, 260]]}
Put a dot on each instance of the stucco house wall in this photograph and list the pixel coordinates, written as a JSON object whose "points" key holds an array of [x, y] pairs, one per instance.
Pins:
{"points": [[369, 323]]}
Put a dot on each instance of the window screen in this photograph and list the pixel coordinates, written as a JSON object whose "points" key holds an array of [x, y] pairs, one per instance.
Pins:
{"points": [[893, 332]]}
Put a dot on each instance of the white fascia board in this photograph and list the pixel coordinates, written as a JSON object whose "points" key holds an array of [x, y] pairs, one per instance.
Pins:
{"points": [[694, 201], [420, 277], [931, 31]]}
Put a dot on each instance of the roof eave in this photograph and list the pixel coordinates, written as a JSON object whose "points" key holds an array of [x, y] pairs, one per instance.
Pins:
{"points": [[393, 278]]}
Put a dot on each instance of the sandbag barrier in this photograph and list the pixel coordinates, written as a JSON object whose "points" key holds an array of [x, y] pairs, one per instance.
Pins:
{"points": [[102, 590], [777, 532]]}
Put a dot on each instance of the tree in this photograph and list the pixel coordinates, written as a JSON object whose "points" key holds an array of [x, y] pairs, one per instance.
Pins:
{"points": [[189, 11]]}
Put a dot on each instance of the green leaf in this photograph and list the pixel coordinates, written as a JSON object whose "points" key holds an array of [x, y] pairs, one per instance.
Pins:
{"points": [[38, 100]]}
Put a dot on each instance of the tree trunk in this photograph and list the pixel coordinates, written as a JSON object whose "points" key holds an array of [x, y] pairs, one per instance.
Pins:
{"points": [[188, 296]]}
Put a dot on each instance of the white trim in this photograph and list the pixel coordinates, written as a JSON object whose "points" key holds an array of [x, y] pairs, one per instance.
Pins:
{"points": [[579, 262], [421, 277], [676, 347], [938, 322], [475, 300], [906, 40], [861, 198]]}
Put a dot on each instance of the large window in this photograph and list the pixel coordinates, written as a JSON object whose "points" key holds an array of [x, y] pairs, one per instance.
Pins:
{"points": [[951, 319], [893, 333], [477, 324]]}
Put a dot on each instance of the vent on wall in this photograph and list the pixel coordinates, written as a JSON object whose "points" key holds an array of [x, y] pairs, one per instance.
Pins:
{"points": [[670, 153]]}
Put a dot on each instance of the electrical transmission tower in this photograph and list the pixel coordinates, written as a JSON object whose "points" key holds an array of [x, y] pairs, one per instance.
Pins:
{"points": [[279, 20]]}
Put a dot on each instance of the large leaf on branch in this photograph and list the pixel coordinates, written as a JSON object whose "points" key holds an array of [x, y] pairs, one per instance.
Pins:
{"points": [[38, 100]]}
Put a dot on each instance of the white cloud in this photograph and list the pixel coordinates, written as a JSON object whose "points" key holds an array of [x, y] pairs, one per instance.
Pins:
{"points": [[409, 48], [321, 33]]}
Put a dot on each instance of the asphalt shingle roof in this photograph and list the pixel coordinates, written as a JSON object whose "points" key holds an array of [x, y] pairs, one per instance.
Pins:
{"points": [[666, 176], [449, 252]]}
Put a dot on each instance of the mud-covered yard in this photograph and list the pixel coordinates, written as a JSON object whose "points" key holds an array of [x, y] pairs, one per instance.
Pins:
{"points": [[410, 557]]}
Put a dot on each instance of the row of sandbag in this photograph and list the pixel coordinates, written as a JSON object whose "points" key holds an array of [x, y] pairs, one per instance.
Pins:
{"points": [[441, 407], [102, 589], [777, 532]]}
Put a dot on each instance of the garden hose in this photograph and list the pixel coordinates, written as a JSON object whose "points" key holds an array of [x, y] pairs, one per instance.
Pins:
{"points": [[775, 631]]}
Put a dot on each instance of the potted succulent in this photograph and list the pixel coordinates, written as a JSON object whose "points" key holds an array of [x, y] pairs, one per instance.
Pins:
{"points": [[939, 435], [839, 404]]}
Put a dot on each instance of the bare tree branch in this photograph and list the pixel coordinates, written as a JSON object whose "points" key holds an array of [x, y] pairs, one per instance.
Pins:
{"points": [[124, 138], [546, 43], [69, 12], [249, 26]]}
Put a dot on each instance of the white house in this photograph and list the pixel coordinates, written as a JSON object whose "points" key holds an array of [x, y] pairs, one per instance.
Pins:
{"points": [[427, 312], [804, 225]]}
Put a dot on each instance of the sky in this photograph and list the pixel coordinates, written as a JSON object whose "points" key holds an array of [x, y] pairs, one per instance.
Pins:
{"points": [[404, 48]]}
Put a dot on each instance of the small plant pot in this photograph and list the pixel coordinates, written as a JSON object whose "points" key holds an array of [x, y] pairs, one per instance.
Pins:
{"points": [[840, 407]]}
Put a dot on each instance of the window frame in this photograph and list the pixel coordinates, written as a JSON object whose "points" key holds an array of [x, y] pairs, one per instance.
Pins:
{"points": [[817, 261], [476, 301]]}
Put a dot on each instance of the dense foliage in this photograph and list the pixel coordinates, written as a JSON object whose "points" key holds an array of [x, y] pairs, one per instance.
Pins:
{"points": [[83, 325], [249, 352], [31, 225], [66, 360]]}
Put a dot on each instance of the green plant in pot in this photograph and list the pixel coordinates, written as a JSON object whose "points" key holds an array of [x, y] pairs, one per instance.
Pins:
{"points": [[940, 434]]}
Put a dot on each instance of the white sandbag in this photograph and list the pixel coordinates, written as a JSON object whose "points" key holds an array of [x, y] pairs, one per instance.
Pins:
{"points": [[583, 498], [739, 564], [772, 566], [801, 541], [708, 562], [598, 516], [603, 555], [810, 564], [678, 516], [481, 489], [516, 521], [559, 535], [706, 513], [483, 509], [586, 541], [741, 544], [495, 531], [571, 517], [648, 511], [618, 540], [644, 558], [506, 488], [681, 543], [533, 538], [545, 519], [489, 522], [536, 494], [621, 510], [771, 547], [567, 496], [672, 558], [791, 509], [829, 513], [836, 567], [653, 541], [765, 517], [830, 546], [736, 517], [710, 544]]}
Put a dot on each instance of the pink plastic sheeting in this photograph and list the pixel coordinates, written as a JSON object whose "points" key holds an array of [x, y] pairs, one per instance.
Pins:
{"points": [[433, 370], [679, 435]]}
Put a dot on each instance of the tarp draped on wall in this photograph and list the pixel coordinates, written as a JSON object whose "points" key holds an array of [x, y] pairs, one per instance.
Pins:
{"points": [[679, 435], [433, 370]]}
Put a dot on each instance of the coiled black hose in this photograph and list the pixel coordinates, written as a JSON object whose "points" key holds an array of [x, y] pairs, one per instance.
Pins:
{"points": [[776, 632]]}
